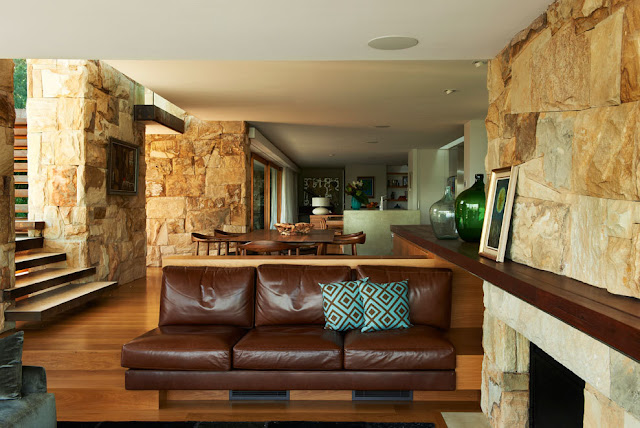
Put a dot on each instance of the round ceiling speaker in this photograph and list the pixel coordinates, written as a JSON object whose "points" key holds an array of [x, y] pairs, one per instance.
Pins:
{"points": [[393, 43]]}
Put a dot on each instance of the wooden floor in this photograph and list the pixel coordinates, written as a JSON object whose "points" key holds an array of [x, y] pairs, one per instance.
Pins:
{"points": [[81, 353]]}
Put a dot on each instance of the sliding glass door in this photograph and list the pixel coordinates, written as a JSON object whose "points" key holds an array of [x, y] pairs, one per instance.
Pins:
{"points": [[266, 191]]}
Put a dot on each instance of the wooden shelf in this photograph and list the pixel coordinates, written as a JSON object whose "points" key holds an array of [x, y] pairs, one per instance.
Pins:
{"points": [[397, 187], [612, 319], [396, 200], [397, 173]]}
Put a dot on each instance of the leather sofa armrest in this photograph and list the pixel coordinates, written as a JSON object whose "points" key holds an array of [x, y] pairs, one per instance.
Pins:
{"points": [[34, 380]]}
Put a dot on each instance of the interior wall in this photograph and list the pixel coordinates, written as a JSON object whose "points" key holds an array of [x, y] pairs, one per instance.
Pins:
{"points": [[474, 151], [196, 182], [378, 172], [73, 108], [565, 106], [7, 199], [432, 173]]}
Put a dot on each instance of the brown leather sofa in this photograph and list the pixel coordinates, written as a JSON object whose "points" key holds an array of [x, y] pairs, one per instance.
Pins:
{"points": [[261, 328]]}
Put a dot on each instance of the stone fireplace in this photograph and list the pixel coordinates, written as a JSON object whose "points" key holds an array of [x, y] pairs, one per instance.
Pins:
{"points": [[564, 105]]}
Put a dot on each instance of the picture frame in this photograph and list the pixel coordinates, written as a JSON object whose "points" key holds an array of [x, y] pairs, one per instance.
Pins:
{"points": [[122, 168], [368, 186], [497, 216]]}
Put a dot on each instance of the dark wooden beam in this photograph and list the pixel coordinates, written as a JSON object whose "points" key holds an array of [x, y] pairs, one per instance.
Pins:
{"points": [[612, 319], [152, 113]]}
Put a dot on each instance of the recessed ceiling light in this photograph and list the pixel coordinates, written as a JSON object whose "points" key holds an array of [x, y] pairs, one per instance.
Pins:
{"points": [[450, 91], [331, 155], [383, 126], [372, 142], [479, 63], [393, 43]]}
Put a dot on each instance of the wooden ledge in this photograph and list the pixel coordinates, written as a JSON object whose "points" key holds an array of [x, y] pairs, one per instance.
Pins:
{"points": [[612, 319]]}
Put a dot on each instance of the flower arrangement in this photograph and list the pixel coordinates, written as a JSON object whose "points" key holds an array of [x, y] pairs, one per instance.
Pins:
{"points": [[354, 189]]}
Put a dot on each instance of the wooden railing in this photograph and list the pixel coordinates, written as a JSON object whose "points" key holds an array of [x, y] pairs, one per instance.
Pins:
{"points": [[20, 165]]}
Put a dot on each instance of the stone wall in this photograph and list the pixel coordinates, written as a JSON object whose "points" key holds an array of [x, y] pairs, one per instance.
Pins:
{"points": [[73, 107], [564, 104], [196, 182], [7, 199]]}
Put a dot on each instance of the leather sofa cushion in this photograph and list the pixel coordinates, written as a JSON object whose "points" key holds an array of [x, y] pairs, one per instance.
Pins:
{"points": [[429, 291], [290, 294], [207, 295], [289, 348], [415, 348], [176, 347]]}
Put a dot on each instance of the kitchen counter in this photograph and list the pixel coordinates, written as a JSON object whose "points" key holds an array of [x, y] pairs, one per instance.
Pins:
{"points": [[377, 225]]}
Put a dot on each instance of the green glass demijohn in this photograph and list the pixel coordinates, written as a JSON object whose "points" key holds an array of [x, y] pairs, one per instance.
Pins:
{"points": [[470, 206], [442, 215]]}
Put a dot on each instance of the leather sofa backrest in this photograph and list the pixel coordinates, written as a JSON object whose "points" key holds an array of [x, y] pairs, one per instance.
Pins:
{"points": [[289, 294], [429, 291], [207, 295]]}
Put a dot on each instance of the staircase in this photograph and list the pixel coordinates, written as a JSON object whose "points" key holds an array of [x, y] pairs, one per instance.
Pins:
{"points": [[43, 291]]}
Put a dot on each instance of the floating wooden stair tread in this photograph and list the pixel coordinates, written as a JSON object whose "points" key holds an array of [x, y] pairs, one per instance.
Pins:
{"points": [[46, 278], [25, 261], [22, 225], [24, 243], [48, 304]]}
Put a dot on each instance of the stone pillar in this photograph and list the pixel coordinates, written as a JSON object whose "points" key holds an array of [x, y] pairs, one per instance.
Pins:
{"points": [[505, 375], [196, 182], [74, 107], [7, 198]]}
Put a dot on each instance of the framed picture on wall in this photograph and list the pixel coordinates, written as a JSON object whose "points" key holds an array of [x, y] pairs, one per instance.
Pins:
{"points": [[497, 216], [122, 168], [368, 186]]}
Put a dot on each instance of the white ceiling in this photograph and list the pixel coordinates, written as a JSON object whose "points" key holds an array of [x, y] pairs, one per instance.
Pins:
{"points": [[301, 104], [312, 109]]}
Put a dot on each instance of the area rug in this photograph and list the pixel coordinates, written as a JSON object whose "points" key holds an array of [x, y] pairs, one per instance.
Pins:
{"points": [[271, 424]]}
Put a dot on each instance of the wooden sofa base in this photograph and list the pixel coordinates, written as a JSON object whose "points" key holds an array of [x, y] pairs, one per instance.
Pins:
{"points": [[256, 380]]}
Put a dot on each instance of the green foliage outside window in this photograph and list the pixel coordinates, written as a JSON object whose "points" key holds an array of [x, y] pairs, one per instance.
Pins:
{"points": [[20, 83]]}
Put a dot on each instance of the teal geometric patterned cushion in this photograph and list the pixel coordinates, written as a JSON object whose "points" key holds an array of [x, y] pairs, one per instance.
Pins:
{"points": [[386, 306], [342, 305]]}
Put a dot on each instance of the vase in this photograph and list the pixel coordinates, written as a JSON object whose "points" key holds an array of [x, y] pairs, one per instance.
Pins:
{"points": [[355, 204], [443, 216], [470, 207]]}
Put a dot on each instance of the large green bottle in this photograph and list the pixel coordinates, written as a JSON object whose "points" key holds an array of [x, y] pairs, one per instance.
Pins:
{"points": [[470, 206]]}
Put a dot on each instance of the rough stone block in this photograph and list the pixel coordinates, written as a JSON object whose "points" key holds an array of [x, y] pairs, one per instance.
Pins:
{"points": [[554, 141], [164, 208], [560, 72], [63, 186], [605, 152], [630, 76], [522, 74], [606, 54], [185, 185], [540, 233], [65, 82], [42, 114]]}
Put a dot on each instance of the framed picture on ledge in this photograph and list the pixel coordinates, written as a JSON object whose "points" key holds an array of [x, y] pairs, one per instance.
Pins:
{"points": [[497, 216], [122, 168], [368, 186]]}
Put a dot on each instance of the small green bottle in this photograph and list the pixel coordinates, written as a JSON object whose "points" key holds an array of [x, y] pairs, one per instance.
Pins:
{"points": [[470, 206]]}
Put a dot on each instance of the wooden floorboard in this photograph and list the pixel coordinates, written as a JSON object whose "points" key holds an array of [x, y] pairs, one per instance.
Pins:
{"points": [[81, 351]]}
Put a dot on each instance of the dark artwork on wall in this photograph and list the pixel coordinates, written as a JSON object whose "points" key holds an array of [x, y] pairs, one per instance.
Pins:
{"points": [[122, 170], [321, 188], [368, 186]]}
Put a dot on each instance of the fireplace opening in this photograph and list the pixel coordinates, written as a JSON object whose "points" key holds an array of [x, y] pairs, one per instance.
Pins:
{"points": [[556, 394]]}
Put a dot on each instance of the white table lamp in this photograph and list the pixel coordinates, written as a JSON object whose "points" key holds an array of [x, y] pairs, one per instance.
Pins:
{"points": [[321, 204]]}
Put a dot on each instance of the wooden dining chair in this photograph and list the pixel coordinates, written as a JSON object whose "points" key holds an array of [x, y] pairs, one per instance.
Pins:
{"points": [[199, 238], [352, 239], [223, 238], [269, 247]]}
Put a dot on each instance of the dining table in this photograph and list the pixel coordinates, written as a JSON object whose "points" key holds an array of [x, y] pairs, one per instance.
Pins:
{"points": [[315, 236]]}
